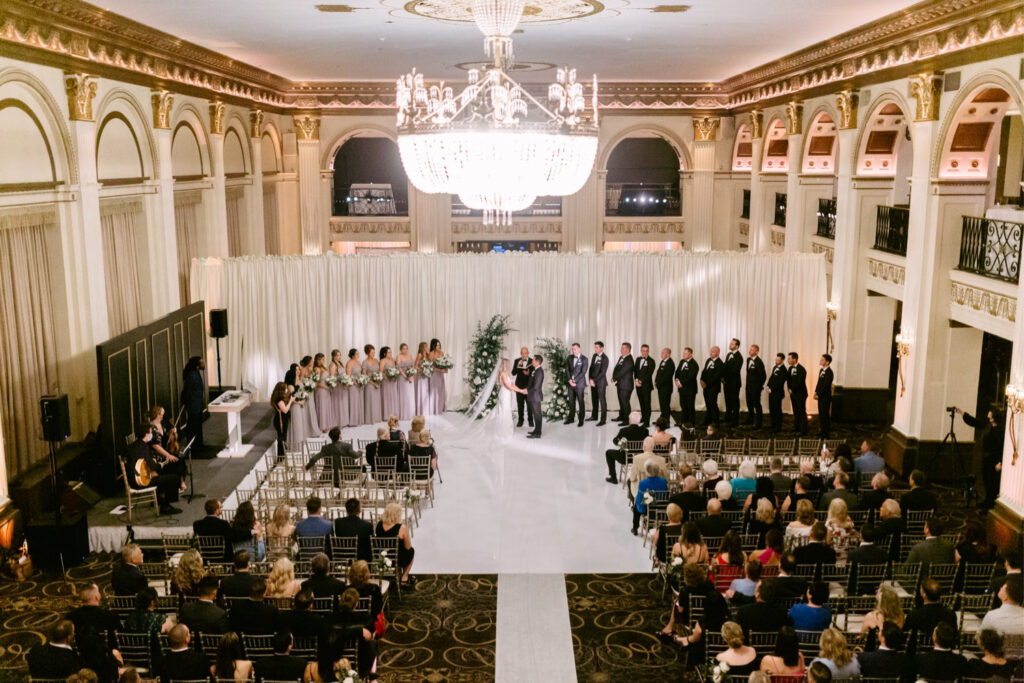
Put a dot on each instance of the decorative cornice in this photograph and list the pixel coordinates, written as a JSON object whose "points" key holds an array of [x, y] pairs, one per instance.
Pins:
{"points": [[81, 89], [926, 89], [307, 127], [887, 272], [847, 102], [217, 110], [162, 103], [705, 128], [255, 123], [648, 227], [520, 227], [983, 301], [794, 118], [661, 96], [370, 226], [756, 119]]}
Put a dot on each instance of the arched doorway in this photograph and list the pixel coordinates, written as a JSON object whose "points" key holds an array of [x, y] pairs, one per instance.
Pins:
{"points": [[369, 179]]}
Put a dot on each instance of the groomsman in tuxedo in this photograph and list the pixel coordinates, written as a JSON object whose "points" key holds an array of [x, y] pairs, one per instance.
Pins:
{"points": [[643, 378], [731, 380], [686, 382], [598, 383], [521, 374], [622, 378], [576, 371], [534, 393], [711, 382], [798, 393], [663, 383], [823, 394], [777, 391], [756, 377]]}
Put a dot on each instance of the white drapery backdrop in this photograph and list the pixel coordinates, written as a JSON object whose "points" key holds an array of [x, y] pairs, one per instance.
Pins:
{"points": [[233, 197], [270, 223], [120, 222], [186, 230], [283, 307]]}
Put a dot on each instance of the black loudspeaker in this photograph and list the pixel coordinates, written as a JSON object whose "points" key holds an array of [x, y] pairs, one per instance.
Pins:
{"points": [[47, 541], [218, 323], [55, 417]]}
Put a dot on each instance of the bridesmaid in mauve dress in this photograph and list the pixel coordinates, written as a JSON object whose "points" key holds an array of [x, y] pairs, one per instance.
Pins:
{"points": [[389, 390], [372, 406], [406, 385], [325, 417], [355, 392], [303, 423], [339, 394], [438, 395], [421, 382]]}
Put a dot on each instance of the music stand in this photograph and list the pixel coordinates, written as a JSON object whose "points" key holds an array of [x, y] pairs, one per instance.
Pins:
{"points": [[187, 450]]}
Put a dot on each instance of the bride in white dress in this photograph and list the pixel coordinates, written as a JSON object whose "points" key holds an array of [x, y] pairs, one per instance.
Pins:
{"points": [[497, 426]]}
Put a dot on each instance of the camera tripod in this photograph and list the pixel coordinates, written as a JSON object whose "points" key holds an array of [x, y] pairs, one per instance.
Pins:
{"points": [[961, 474]]}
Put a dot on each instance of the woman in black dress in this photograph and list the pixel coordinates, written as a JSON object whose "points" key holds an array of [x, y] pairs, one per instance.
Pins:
{"points": [[390, 524], [282, 401]]}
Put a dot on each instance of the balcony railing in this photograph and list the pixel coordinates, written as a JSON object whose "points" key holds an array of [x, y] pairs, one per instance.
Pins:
{"points": [[642, 199], [891, 229], [827, 218], [991, 248]]}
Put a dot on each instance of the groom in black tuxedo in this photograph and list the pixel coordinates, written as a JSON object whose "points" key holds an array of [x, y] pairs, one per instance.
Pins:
{"points": [[663, 382], [576, 371], [534, 393], [521, 372], [622, 378], [598, 383], [643, 378]]}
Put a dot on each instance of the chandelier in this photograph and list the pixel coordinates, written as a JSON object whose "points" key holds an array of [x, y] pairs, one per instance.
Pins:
{"points": [[494, 144]]}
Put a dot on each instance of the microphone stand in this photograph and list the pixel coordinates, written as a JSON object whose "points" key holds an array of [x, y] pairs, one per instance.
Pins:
{"points": [[191, 477]]}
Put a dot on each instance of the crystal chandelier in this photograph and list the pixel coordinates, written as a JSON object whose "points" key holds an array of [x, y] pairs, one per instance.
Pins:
{"points": [[494, 144]]}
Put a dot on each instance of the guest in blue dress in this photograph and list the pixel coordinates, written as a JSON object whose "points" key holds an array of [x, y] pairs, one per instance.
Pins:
{"points": [[655, 481]]}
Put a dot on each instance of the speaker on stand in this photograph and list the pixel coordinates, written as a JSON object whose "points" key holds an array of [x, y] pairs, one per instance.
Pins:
{"points": [[219, 330], [55, 536]]}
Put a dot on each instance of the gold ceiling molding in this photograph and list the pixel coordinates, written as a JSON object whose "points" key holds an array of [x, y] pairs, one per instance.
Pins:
{"points": [[307, 127], [756, 119], [81, 89], [705, 128], [670, 96], [162, 103], [255, 123], [217, 110], [794, 118], [926, 89], [847, 102]]}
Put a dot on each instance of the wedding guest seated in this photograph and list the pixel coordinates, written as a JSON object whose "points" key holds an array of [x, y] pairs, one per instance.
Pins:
{"points": [[229, 664], [282, 665], [359, 579], [805, 519], [417, 425], [974, 547], [353, 624], [787, 584], [255, 615], [337, 454], [247, 532], [887, 661], [394, 433], [57, 657], [354, 525], [878, 494], [993, 662], [815, 483], [654, 481], [764, 489], [919, 497], [716, 610], [663, 441], [1012, 560], [321, 583], [631, 432], [741, 658], [714, 524], [126, 578], [799, 492], [1008, 618], [238, 583], [711, 476], [674, 526], [89, 617], [771, 554], [818, 673], [723, 490], [330, 663], [839, 529], [204, 615], [213, 525], [815, 551], [835, 653], [840, 490], [786, 659], [890, 527], [744, 484], [689, 499], [425, 447], [182, 662], [741, 591], [781, 483], [867, 553], [282, 582], [313, 524], [691, 546], [730, 554], [940, 663], [925, 618], [868, 462], [764, 520], [280, 534], [933, 549], [814, 615], [186, 576], [144, 618], [888, 608], [764, 614], [638, 470], [301, 621]]}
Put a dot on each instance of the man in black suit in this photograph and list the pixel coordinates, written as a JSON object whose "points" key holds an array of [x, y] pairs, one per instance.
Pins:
{"points": [[941, 663], [890, 527], [714, 524], [255, 616], [686, 382], [354, 525], [815, 551], [576, 371], [731, 381], [183, 663], [239, 583], [193, 399], [711, 382], [887, 661], [204, 615], [89, 617], [126, 578], [213, 525], [282, 665], [1012, 561], [868, 552], [301, 621], [797, 383], [840, 489], [690, 499], [933, 549], [339, 453], [777, 391], [643, 378], [823, 395], [622, 378], [919, 497], [598, 379], [56, 658], [166, 484], [663, 379], [632, 432], [763, 615], [521, 374], [756, 377], [925, 618], [878, 494], [321, 583], [534, 392], [787, 584]]}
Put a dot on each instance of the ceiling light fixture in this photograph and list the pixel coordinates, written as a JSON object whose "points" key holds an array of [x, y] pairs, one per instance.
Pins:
{"points": [[494, 144]]}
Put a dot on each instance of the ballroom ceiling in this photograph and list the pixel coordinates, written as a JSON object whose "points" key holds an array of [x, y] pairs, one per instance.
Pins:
{"points": [[619, 40]]}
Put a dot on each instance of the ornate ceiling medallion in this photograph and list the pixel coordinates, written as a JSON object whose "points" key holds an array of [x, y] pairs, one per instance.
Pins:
{"points": [[533, 12]]}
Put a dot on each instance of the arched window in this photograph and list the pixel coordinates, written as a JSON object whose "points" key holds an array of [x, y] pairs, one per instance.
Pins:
{"points": [[643, 179], [369, 179]]}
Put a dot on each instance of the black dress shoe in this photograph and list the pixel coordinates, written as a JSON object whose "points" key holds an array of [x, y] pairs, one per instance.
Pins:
{"points": [[531, 435], [601, 423], [567, 422], [611, 480], [634, 532], [580, 424], [170, 510], [591, 419], [520, 424]]}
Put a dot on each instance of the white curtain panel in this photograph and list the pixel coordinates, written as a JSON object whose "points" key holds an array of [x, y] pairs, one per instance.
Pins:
{"points": [[281, 308], [270, 222], [186, 230], [28, 346], [233, 197], [120, 221]]}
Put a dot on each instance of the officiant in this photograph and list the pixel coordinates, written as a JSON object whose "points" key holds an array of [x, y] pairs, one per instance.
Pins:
{"points": [[521, 372]]}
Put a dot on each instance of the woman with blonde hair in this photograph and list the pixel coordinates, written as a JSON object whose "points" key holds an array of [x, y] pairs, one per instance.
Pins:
{"points": [[888, 607], [279, 533], [765, 519], [835, 653], [741, 658], [840, 529], [390, 525], [282, 582], [188, 573], [801, 526], [637, 470], [418, 423], [394, 433]]}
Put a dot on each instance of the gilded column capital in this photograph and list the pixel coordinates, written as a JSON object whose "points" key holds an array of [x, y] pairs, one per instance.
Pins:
{"points": [[756, 124], [795, 118], [926, 89], [307, 127], [255, 123], [847, 102], [81, 89], [162, 103], [217, 110], [705, 128]]}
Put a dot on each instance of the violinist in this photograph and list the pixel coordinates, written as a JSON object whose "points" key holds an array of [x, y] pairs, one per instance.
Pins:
{"points": [[142, 470], [165, 445]]}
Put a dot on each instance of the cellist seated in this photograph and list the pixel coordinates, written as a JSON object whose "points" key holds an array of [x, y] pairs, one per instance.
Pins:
{"points": [[143, 471]]}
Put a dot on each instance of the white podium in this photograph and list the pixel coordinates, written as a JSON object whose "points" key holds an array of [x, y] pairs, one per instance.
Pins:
{"points": [[232, 403]]}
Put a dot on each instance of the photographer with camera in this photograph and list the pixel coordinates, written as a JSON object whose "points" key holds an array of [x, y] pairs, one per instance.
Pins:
{"points": [[992, 451]]}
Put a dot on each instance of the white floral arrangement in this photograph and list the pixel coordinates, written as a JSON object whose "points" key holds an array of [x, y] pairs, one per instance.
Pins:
{"points": [[648, 498], [301, 395], [377, 377], [720, 672], [309, 384], [426, 368], [331, 381], [315, 377], [392, 373], [346, 675], [444, 362], [675, 569], [485, 348], [383, 562], [410, 497], [361, 380], [346, 380]]}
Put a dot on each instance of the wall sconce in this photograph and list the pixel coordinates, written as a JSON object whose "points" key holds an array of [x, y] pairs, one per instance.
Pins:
{"points": [[1014, 407], [902, 349], [831, 313]]}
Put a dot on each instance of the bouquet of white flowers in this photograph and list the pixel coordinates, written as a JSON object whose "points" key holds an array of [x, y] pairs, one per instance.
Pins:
{"points": [[347, 675], [383, 563], [361, 380], [675, 570], [301, 395], [377, 377], [426, 368], [444, 362], [315, 377], [309, 384], [346, 380], [648, 498], [392, 373], [411, 497], [332, 381], [720, 672]]}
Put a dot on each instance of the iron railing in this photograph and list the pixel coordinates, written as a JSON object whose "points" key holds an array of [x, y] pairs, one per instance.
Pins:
{"points": [[991, 248], [780, 210], [827, 218], [891, 227]]}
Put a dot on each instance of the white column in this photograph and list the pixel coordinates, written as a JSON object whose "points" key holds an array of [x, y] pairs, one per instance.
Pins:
{"points": [[307, 132], [255, 234], [326, 205], [163, 245], [760, 235], [583, 216], [214, 240], [1011, 488], [702, 201], [430, 220], [796, 197]]}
